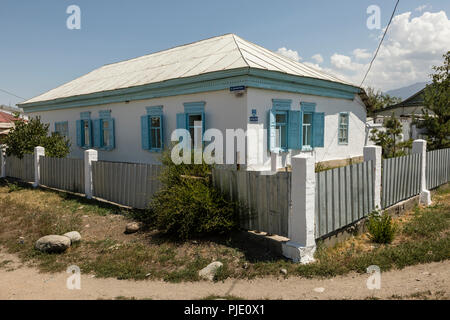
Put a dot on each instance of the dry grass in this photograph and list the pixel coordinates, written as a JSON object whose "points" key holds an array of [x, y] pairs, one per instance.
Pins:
{"points": [[27, 214]]}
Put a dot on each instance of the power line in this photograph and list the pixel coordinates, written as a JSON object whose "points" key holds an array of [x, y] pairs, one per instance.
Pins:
{"points": [[376, 52], [12, 94]]}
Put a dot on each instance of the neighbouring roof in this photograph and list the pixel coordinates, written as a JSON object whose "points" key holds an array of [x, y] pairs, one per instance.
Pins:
{"points": [[408, 107], [6, 117], [220, 53]]}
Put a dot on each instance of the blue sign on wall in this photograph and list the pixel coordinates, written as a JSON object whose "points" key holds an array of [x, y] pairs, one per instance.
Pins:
{"points": [[253, 117], [237, 88]]}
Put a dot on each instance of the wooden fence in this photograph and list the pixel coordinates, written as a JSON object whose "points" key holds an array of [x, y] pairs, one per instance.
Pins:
{"points": [[62, 173], [343, 196], [266, 198], [438, 168], [400, 179], [130, 184], [22, 169]]}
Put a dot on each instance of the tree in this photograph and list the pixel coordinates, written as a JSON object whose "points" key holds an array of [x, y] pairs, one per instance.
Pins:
{"points": [[389, 140], [379, 100], [437, 100], [29, 134]]}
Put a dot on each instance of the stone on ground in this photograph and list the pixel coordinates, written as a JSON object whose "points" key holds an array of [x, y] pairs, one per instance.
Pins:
{"points": [[74, 236], [210, 271], [53, 244], [132, 227]]}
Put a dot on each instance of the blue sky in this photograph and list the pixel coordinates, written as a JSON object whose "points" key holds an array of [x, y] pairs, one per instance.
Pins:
{"points": [[39, 53]]}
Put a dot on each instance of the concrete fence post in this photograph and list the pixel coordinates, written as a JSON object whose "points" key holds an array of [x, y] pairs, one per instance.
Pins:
{"points": [[420, 146], [38, 152], [89, 156], [374, 153], [301, 230], [2, 161]]}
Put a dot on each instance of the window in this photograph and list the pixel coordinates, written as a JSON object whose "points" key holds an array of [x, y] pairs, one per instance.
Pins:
{"points": [[193, 119], [84, 130], [281, 130], [152, 129], [343, 128], [155, 125], [194, 127], [307, 130], [62, 128], [104, 131]]}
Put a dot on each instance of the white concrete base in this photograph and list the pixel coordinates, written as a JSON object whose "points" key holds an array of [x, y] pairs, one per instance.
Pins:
{"points": [[425, 197], [297, 253]]}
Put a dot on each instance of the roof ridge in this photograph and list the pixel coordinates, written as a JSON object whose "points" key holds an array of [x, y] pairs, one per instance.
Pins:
{"points": [[240, 51]]}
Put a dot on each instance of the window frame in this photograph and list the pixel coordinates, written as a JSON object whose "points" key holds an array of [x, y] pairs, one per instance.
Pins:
{"points": [[340, 124], [286, 125], [105, 116], [66, 132], [307, 147], [153, 112]]}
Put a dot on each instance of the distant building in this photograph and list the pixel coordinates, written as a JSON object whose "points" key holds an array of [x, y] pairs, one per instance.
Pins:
{"points": [[405, 111], [6, 123]]}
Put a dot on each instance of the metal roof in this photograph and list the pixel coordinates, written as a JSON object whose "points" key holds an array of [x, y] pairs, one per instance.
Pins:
{"points": [[220, 53]]}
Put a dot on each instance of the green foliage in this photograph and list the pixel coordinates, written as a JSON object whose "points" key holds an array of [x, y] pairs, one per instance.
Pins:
{"points": [[389, 140], [188, 205], [378, 100], [437, 100], [27, 135], [381, 227]]}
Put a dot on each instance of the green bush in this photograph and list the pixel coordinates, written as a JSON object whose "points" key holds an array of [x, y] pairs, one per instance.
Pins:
{"points": [[188, 205], [381, 227]]}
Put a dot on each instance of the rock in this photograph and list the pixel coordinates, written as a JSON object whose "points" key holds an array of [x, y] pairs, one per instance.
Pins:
{"points": [[210, 271], [74, 236], [245, 266], [132, 227], [53, 243], [283, 271]]}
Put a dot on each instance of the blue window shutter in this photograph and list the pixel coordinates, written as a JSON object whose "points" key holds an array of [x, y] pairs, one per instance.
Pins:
{"points": [[145, 132], [97, 133], [294, 128], [90, 143], [161, 132], [181, 121], [203, 123], [112, 138], [318, 129], [79, 130], [272, 131]]}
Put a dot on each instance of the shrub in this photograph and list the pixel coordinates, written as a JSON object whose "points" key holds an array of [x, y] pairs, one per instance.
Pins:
{"points": [[188, 205], [381, 227], [26, 135]]}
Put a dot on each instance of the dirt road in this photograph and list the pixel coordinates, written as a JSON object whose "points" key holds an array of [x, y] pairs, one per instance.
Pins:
{"points": [[422, 281]]}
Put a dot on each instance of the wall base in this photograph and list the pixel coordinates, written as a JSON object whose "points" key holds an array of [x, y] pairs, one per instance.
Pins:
{"points": [[297, 253], [425, 197]]}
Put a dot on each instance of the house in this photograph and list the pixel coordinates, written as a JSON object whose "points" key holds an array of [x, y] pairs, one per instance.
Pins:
{"points": [[128, 110], [406, 111]]}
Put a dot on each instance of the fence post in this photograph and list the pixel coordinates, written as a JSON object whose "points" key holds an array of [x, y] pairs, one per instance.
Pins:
{"points": [[301, 230], [38, 152], [374, 153], [2, 161], [89, 156], [420, 146]]}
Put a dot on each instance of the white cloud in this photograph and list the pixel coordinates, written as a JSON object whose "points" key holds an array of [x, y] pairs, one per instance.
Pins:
{"points": [[288, 53], [421, 8], [361, 54], [410, 49], [317, 58]]}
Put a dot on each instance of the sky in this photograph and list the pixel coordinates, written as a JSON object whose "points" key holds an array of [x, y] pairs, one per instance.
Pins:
{"points": [[38, 52]]}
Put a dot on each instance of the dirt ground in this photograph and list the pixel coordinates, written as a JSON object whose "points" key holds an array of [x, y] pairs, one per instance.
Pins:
{"points": [[428, 281]]}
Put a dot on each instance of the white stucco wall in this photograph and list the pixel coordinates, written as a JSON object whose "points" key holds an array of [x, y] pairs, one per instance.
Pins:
{"points": [[261, 100], [223, 111]]}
